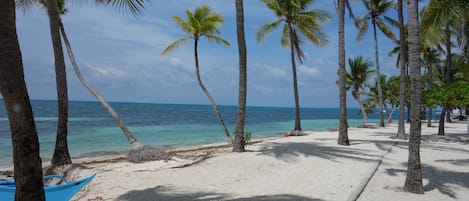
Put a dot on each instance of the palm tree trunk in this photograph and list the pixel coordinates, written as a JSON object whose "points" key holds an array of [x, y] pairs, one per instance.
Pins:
{"points": [[362, 109], [390, 114], [239, 141], [61, 154], [430, 85], [378, 76], [441, 125], [135, 144], [210, 98], [26, 160], [402, 88], [295, 84], [413, 182], [343, 131]]}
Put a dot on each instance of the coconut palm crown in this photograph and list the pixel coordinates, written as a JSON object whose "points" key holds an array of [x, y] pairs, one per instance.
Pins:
{"points": [[203, 23]]}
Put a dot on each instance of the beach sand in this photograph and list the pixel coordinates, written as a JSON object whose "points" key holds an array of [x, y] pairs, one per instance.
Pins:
{"points": [[311, 167]]}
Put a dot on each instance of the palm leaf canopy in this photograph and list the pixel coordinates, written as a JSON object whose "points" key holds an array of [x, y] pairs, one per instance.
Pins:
{"points": [[299, 19], [360, 72], [134, 6], [200, 23], [376, 9]]}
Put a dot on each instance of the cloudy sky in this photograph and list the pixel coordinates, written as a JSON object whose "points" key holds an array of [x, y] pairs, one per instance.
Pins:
{"points": [[120, 55]]}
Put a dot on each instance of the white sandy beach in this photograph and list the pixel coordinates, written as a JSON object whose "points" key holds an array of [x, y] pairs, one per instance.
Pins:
{"points": [[311, 167]]}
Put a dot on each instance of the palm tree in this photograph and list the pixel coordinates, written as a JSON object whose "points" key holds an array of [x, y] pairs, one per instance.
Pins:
{"points": [[298, 21], [376, 10], [239, 141], [202, 23], [61, 154], [359, 73], [26, 160], [343, 131], [402, 68], [413, 182]]}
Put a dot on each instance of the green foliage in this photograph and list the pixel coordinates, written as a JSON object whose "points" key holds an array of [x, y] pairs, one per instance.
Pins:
{"points": [[300, 22], [246, 137], [456, 94], [201, 23]]}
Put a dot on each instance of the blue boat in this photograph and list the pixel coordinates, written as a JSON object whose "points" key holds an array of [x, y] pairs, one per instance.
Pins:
{"points": [[61, 192]]}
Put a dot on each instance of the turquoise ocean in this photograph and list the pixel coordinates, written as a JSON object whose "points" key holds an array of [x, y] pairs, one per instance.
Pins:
{"points": [[92, 132]]}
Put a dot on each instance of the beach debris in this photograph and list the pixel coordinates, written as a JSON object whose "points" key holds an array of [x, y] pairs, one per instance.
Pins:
{"points": [[147, 153]]}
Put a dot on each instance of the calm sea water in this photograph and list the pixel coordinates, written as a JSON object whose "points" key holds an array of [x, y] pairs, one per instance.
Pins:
{"points": [[92, 131]]}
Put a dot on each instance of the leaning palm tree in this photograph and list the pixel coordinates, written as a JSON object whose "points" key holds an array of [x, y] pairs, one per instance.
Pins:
{"points": [[201, 23], [26, 160], [413, 182], [138, 152], [359, 74], [376, 10], [238, 145], [298, 21]]}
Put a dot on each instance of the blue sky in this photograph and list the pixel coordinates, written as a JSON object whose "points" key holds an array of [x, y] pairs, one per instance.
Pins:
{"points": [[120, 55]]}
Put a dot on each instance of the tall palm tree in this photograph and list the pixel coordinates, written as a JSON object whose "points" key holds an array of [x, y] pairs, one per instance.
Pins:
{"points": [[413, 182], [26, 160], [298, 21], [239, 141], [201, 23], [343, 125], [61, 154], [376, 10], [359, 73], [402, 69]]}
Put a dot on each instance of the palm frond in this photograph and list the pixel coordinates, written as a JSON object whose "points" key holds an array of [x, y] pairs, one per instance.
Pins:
{"points": [[362, 24], [186, 27], [266, 29], [217, 39], [385, 30], [134, 6], [284, 39], [175, 45]]}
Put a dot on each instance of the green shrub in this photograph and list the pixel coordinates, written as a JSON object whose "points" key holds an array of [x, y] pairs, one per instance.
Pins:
{"points": [[247, 137]]}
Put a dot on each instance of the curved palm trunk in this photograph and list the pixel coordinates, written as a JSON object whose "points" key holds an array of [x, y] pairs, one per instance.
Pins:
{"points": [[402, 67], [413, 182], [26, 160], [362, 109], [61, 154], [210, 98], [430, 85], [378, 75], [239, 141], [135, 144], [295, 85], [343, 132]]}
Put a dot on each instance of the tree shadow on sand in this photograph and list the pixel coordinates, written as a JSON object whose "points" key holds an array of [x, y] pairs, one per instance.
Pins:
{"points": [[292, 150], [439, 179], [168, 193]]}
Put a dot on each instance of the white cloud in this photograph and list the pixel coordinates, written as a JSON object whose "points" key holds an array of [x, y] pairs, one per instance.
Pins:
{"points": [[309, 71]]}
